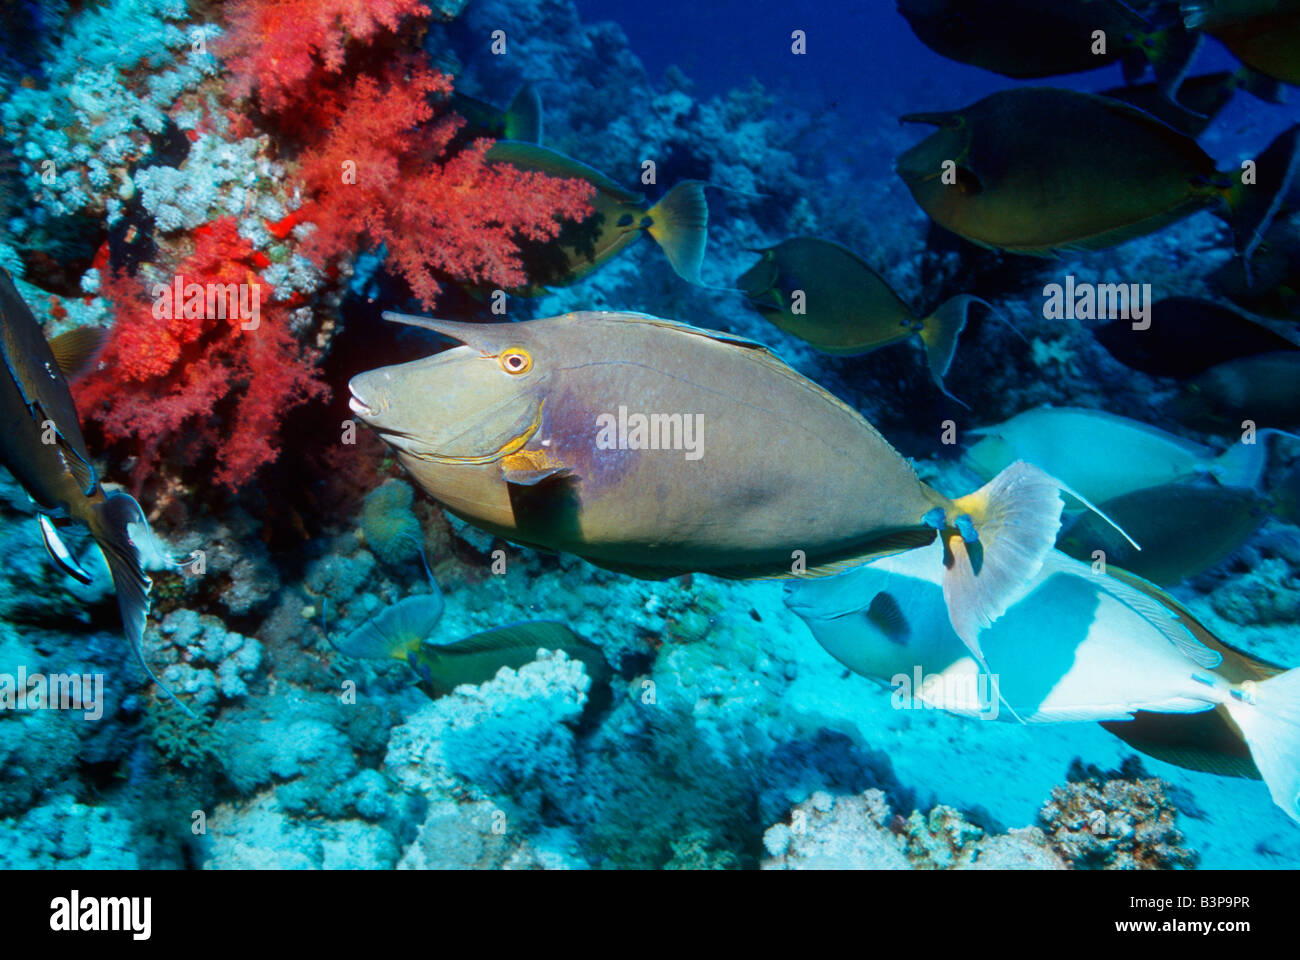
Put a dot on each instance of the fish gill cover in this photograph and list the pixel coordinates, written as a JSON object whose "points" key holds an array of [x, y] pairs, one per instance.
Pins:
{"points": [[800, 536]]}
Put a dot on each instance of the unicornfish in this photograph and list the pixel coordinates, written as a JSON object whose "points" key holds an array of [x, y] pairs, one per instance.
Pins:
{"points": [[829, 297], [42, 446], [678, 222], [1037, 170], [1077, 647], [656, 448]]}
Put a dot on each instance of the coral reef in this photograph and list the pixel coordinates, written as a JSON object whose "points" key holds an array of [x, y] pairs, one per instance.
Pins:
{"points": [[310, 150], [1119, 820], [861, 833]]}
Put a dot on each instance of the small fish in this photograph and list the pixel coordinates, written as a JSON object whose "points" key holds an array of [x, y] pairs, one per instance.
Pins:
{"points": [[1077, 647], [1263, 34], [398, 631], [827, 296], [1184, 529], [657, 449], [521, 120], [1187, 336], [1037, 171], [404, 631], [1028, 39], [1263, 389], [1101, 455], [478, 658], [679, 222], [42, 446]]}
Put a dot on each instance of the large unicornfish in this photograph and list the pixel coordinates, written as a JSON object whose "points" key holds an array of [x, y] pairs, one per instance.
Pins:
{"points": [[658, 449], [42, 446]]}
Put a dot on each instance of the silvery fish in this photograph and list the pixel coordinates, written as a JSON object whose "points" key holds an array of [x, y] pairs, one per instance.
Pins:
{"points": [[1078, 646]]}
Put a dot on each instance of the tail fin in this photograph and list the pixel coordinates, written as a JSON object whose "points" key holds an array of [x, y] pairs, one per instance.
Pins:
{"points": [[1171, 51], [939, 333], [524, 116], [1261, 86], [122, 532], [1268, 713], [1008, 531], [1254, 205], [1242, 464], [1008, 527], [679, 222]]}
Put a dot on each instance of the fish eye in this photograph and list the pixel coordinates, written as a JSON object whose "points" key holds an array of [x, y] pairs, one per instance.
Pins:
{"points": [[516, 360]]}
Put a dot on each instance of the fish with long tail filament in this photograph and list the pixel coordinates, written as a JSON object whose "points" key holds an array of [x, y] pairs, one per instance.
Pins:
{"points": [[525, 431], [42, 446]]}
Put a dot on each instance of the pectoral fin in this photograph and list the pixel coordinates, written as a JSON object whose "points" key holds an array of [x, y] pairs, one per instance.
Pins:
{"points": [[59, 551], [528, 468]]}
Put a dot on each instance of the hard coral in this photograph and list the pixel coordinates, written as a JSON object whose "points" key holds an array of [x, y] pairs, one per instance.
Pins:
{"points": [[1119, 820]]}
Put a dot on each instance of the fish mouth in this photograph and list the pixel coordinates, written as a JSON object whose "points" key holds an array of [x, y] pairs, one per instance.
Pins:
{"points": [[357, 403]]}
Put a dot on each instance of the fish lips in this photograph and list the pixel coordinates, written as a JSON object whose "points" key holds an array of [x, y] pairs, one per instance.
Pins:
{"points": [[452, 407]]}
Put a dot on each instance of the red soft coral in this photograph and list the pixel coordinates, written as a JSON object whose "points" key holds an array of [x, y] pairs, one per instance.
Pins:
{"points": [[186, 373], [378, 177], [275, 47]]}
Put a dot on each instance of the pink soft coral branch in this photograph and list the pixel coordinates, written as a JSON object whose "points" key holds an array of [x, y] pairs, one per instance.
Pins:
{"points": [[459, 216], [273, 46]]}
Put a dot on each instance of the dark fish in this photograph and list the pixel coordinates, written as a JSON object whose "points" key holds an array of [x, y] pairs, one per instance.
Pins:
{"points": [[42, 446], [679, 222], [1187, 336], [846, 307], [1264, 389], [1184, 529], [478, 658], [1199, 100], [656, 449], [1028, 39], [522, 120], [1037, 170], [404, 631], [1263, 34], [1271, 285]]}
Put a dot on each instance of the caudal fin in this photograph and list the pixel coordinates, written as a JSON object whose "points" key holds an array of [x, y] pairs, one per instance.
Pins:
{"points": [[939, 333], [1004, 533], [679, 222], [122, 532], [1254, 204], [1268, 713], [1006, 529], [524, 116]]}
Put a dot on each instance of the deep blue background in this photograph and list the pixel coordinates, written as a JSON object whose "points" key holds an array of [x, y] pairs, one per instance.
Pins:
{"points": [[862, 57]]}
